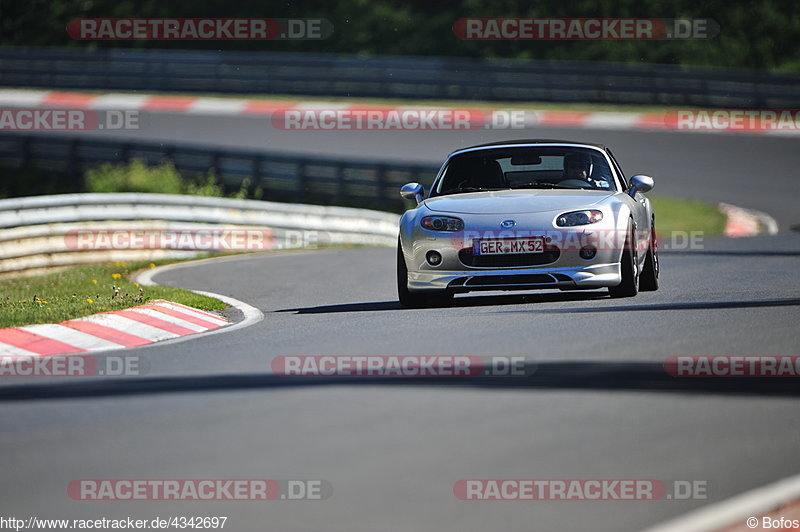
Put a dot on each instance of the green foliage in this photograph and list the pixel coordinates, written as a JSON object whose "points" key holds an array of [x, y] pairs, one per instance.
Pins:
{"points": [[753, 34], [204, 186], [136, 176]]}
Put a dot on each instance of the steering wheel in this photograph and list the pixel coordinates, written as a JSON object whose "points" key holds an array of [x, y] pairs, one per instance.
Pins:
{"points": [[575, 183]]}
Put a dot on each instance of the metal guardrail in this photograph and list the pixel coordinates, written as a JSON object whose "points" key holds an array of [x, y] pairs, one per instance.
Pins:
{"points": [[395, 77], [284, 178], [44, 232]]}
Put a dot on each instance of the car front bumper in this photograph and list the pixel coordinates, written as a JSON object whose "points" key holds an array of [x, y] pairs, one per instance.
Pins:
{"points": [[560, 265], [566, 271], [570, 278]]}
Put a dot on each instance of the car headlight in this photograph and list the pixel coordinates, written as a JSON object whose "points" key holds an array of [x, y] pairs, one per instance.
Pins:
{"points": [[442, 223], [586, 217]]}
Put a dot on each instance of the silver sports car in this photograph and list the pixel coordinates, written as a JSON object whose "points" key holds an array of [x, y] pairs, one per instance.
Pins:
{"points": [[527, 214]]}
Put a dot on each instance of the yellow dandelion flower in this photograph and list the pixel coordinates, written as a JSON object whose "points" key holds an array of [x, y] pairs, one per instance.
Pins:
{"points": [[116, 275], [135, 284], [152, 265], [94, 281], [90, 301]]}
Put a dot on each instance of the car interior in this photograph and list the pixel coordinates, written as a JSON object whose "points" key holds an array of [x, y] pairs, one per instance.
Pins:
{"points": [[541, 169]]}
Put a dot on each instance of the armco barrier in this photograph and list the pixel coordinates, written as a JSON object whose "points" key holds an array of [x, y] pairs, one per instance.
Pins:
{"points": [[317, 180], [395, 77], [34, 231]]}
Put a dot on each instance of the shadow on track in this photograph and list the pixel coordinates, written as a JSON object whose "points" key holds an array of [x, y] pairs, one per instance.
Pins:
{"points": [[468, 301], [594, 376], [694, 305]]}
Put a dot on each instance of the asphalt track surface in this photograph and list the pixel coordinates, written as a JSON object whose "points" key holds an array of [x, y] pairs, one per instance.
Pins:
{"points": [[598, 405], [754, 171]]}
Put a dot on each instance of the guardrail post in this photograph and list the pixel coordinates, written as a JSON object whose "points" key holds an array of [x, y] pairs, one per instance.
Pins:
{"points": [[26, 152], [124, 153], [380, 179], [168, 155], [340, 185], [255, 176], [302, 179], [74, 169]]}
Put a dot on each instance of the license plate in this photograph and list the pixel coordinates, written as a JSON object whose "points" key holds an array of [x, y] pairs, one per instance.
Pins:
{"points": [[508, 246]]}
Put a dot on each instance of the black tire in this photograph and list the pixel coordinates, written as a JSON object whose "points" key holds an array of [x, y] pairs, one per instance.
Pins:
{"points": [[629, 286], [411, 299], [648, 281]]}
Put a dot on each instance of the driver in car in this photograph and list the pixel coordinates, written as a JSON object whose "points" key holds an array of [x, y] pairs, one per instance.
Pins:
{"points": [[579, 166]]}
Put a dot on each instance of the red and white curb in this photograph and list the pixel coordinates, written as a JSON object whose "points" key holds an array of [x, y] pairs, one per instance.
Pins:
{"points": [[747, 511], [14, 98], [747, 222], [250, 314], [144, 324]]}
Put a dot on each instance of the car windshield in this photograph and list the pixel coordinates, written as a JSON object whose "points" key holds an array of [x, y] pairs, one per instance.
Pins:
{"points": [[526, 167]]}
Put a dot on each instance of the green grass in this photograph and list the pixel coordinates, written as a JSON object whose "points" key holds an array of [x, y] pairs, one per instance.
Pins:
{"points": [[687, 215], [85, 290]]}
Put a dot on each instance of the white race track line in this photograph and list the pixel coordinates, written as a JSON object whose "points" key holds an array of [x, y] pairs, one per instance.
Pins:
{"points": [[736, 510], [71, 336], [118, 101], [206, 316], [169, 319], [9, 350], [136, 328], [251, 314]]}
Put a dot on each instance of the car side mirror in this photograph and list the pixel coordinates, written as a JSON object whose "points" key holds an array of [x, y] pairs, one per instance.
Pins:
{"points": [[641, 183], [413, 191]]}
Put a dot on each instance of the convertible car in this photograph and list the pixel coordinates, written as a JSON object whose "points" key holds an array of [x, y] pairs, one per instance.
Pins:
{"points": [[527, 214]]}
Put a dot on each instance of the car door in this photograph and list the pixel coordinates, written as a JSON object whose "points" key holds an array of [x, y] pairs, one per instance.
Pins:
{"points": [[640, 209]]}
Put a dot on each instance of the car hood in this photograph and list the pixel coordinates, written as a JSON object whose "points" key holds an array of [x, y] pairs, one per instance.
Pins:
{"points": [[516, 201]]}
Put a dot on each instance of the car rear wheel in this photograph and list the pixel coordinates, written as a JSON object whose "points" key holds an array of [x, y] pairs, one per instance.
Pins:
{"points": [[411, 299], [629, 266], [648, 282]]}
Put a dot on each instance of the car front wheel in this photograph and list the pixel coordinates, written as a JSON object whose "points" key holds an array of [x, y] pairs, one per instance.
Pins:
{"points": [[629, 266], [411, 299], [648, 282]]}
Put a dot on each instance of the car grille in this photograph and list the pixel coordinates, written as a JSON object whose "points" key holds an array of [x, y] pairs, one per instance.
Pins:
{"points": [[506, 280], [468, 258]]}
